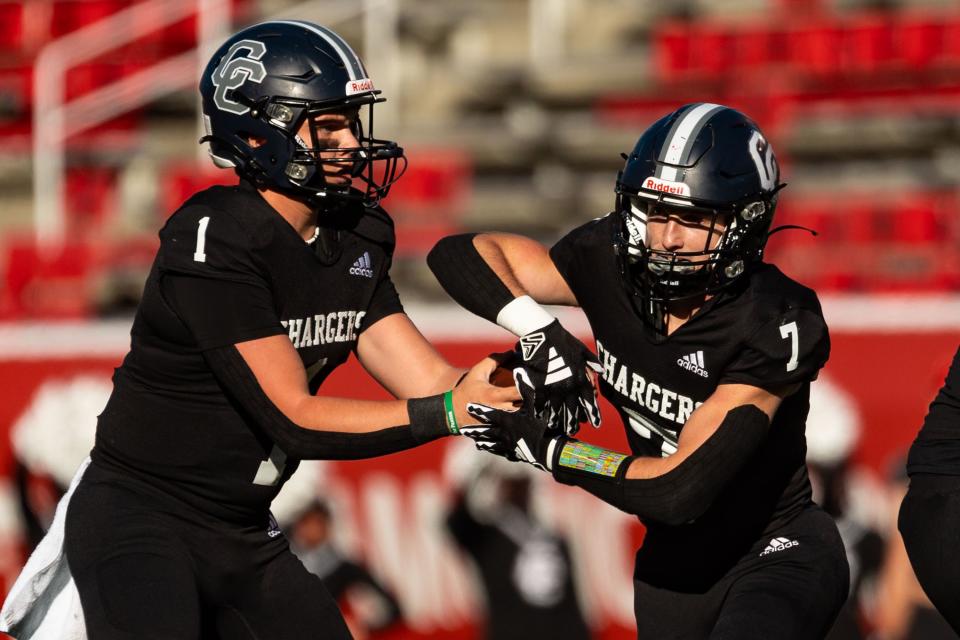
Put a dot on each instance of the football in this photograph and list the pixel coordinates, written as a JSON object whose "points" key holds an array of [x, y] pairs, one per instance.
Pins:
{"points": [[502, 377]]}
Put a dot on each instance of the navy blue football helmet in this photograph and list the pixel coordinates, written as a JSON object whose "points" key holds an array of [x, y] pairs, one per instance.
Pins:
{"points": [[704, 158], [264, 82]]}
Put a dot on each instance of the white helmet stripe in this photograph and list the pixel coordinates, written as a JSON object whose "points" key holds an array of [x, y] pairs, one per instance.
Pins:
{"points": [[684, 131], [350, 59]]}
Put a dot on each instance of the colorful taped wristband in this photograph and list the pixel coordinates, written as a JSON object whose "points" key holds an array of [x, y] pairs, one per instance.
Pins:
{"points": [[587, 458]]}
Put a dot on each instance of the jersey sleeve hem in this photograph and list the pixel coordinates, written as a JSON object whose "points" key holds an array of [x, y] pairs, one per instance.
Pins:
{"points": [[242, 336], [370, 320]]}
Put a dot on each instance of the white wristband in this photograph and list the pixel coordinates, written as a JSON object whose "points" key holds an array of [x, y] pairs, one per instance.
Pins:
{"points": [[523, 315], [551, 448]]}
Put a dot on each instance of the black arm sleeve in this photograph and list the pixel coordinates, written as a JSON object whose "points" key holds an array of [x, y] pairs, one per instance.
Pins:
{"points": [[241, 386], [687, 491], [466, 276]]}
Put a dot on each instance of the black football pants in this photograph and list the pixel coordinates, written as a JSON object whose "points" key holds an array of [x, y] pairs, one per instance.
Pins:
{"points": [[929, 523], [789, 590], [149, 568]]}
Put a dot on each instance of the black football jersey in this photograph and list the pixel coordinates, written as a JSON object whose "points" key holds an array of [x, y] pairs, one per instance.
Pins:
{"points": [[937, 446], [768, 332], [250, 275]]}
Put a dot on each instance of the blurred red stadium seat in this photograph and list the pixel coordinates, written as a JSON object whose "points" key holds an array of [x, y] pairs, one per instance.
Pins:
{"points": [[871, 242], [70, 15], [869, 42], [671, 44], [916, 221], [921, 40], [180, 180], [815, 47], [179, 36], [814, 44], [49, 285], [429, 199], [12, 34], [90, 198]]}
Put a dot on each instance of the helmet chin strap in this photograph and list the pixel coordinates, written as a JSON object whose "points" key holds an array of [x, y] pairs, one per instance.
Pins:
{"points": [[359, 164]]}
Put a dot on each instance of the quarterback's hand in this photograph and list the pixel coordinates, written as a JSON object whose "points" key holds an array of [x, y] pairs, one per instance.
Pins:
{"points": [[557, 364], [515, 435], [475, 386]]}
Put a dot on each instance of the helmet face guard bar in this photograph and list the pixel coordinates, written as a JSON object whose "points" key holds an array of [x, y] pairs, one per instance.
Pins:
{"points": [[376, 163], [664, 276]]}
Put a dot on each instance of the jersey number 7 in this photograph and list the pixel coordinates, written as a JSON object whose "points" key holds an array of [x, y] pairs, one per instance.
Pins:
{"points": [[790, 330]]}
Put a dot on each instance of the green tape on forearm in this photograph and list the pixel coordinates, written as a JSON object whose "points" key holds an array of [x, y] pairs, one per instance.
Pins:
{"points": [[590, 459]]}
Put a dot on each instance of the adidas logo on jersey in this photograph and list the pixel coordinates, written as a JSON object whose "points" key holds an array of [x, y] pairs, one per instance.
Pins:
{"points": [[694, 362], [778, 544], [362, 266], [273, 529]]}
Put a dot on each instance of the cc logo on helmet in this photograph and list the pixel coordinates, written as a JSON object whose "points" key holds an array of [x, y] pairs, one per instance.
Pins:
{"points": [[233, 72], [763, 158]]}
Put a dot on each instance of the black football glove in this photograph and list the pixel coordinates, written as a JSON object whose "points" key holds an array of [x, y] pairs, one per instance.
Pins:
{"points": [[557, 364], [515, 435]]}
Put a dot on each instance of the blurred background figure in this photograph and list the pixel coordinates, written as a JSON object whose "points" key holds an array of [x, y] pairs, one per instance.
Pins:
{"points": [[886, 601], [833, 430], [368, 606], [62, 411], [526, 570]]}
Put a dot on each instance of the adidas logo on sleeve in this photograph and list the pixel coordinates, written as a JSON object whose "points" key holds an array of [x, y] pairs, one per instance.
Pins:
{"points": [[778, 544], [694, 362], [362, 266]]}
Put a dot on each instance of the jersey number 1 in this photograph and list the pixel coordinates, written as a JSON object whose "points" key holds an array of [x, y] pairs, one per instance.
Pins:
{"points": [[790, 330], [199, 255]]}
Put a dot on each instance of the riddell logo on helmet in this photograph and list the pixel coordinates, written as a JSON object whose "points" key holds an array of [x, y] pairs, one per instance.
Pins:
{"points": [[359, 86], [666, 186]]}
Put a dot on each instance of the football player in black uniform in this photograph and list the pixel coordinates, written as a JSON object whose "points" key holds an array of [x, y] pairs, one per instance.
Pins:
{"points": [[707, 353], [930, 513], [257, 293]]}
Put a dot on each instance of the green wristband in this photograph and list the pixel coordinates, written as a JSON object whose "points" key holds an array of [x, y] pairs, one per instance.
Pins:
{"points": [[450, 414]]}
